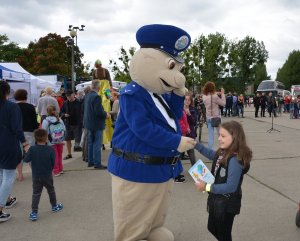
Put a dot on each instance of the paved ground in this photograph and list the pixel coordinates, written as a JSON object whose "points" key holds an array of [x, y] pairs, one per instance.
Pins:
{"points": [[270, 198]]}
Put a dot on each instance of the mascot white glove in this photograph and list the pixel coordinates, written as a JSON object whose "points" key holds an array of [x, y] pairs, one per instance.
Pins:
{"points": [[186, 143]]}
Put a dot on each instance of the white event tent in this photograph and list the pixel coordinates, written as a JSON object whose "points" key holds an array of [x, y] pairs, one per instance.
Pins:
{"points": [[20, 78]]}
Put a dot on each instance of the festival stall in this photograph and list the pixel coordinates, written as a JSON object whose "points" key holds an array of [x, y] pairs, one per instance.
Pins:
{"points": [[19, 78]]}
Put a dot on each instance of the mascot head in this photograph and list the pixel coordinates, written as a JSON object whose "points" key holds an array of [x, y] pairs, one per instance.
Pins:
{"points": [[157, 66]]}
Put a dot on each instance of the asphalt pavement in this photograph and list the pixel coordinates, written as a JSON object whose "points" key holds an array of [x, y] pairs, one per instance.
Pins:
{"points": [[271, 192]]}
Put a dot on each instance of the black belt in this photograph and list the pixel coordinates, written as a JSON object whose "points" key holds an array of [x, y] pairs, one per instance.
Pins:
{"points": [[150, 160]]}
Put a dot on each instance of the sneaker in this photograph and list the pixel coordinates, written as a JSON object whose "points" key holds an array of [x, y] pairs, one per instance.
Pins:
{"points": [[61, 172], [57, 208], [33, 216], [11, 203], [4, 217], [179, 180], [101, 167], [77, 149], [180, 176], [56, 174], [69, 156]]}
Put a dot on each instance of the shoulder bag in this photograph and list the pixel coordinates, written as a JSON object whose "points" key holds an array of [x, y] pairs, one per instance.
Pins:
{"points": [[215, 121]]}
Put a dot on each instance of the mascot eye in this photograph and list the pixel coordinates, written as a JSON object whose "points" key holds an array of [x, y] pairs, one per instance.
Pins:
{"points": [[182, 69], [171, 64]]}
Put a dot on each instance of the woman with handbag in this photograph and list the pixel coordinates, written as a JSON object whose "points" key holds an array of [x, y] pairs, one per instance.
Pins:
{"points": [[212, 102], [230, 162]]}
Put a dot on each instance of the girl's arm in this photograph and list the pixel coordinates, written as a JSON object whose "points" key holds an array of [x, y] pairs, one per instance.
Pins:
{"points": [[235, 170], [208, 153]]}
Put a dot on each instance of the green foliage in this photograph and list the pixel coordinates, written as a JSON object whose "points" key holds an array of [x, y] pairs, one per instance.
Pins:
{"points": [[214, 58], [260, 74], [289, 73], [120, 68], [247, 54], [51, 55], [9, 51]]}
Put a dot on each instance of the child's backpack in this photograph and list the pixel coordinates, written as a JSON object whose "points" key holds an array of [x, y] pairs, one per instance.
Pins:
{"points": [[56, 132]]}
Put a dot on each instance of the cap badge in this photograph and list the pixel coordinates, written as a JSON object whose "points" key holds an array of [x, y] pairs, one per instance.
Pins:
{"points": [[182, 42]]}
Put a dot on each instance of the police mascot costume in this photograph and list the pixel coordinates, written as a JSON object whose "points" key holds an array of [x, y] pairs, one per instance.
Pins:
{"points": [[147, 139]]}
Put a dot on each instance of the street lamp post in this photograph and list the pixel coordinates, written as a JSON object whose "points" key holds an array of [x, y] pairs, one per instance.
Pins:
{"points": [[73, 33], [199, 70]]}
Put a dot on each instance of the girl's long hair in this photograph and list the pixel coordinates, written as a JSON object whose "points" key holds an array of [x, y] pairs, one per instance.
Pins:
{"points": [[238, 146]]}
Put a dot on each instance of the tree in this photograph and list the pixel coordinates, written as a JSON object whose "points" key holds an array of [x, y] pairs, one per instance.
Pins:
{"points": [[230, 64], [9, 51], [289, 73], [120, 68], [260, 74], [244, 56], [51, 55]]}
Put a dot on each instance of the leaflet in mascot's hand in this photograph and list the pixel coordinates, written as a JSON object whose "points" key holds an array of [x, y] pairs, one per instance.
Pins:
{"points": [[199, 171]]}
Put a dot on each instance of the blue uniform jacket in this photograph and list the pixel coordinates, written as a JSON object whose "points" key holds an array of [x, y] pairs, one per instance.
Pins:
{"points": [[141, 128]]}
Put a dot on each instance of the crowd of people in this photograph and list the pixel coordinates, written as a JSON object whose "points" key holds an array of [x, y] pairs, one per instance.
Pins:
{"points": [[88, 118], [37, 135]]}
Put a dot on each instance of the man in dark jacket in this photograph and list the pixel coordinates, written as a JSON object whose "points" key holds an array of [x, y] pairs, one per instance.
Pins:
{"points": [[71, 114], [94, 120], [256, 102], [271, 105], [229, 103], [263, 101]]}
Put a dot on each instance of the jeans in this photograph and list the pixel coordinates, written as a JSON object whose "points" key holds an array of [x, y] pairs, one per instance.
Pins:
{"points": [[240, 110], [37, 185], [7, 178], [95, 139], [211, 134], [29, 138], [221, 229]]}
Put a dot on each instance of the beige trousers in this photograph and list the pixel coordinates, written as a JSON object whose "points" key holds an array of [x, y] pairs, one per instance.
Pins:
{"points": [[140, 210]]}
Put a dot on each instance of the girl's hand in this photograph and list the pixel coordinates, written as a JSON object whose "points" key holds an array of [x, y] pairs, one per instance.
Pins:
{"points": [[200, 185]]}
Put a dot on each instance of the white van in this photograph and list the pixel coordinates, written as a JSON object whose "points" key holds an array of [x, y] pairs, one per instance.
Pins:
{"points": [[295, 91], [273, 86]]}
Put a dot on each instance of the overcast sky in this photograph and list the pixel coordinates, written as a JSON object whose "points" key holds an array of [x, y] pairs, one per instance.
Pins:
{"points": [[111, 24]]}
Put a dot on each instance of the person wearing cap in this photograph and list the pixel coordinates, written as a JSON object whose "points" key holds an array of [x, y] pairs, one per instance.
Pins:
{"points": [[46, 101], [147, 139], [101, 73], [71, 114]]}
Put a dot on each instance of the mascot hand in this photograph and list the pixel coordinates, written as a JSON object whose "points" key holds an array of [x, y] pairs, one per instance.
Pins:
{"points": [[186, 143], [181, 92]]}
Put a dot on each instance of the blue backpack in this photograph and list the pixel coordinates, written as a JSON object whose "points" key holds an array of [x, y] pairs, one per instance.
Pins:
{"points": [[56, 132]]}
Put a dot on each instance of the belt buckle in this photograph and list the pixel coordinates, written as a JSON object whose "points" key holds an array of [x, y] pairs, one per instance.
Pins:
{"points": [[174, 161]]}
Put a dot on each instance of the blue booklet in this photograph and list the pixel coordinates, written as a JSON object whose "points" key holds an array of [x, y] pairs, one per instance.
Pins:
{"points": [[199, 171]]}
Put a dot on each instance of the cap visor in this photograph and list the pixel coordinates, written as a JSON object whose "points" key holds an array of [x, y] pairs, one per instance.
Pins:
{"points": [[177, 58]]}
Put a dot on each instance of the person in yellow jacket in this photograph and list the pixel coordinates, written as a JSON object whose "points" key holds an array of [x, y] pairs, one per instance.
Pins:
{"points": [[105, 86]]}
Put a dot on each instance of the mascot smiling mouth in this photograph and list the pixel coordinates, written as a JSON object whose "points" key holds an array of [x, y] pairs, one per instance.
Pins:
{"points": [[166, 84]]}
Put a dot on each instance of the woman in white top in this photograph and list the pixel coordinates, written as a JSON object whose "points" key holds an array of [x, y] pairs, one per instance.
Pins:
{"points": [[212, 101]]}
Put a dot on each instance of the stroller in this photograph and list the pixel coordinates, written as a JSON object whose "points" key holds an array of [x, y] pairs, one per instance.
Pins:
{"points": [[298, 217]]}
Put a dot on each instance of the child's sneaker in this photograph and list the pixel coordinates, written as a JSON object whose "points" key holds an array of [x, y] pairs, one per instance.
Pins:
{"points": [[33, 216], [4, 217], [11, 202], [57, 208]]}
